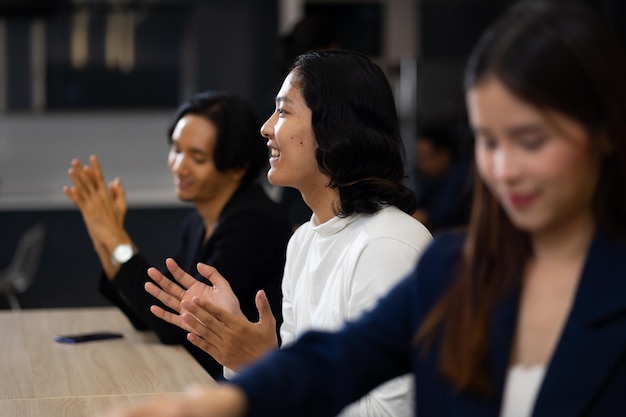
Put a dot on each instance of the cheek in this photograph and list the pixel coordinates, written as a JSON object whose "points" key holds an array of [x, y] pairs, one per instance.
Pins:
{"points": [[483, 164], [567, 167]]}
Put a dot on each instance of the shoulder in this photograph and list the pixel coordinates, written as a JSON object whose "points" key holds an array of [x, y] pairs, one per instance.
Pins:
{"points": [[392, 223], [304, 233], [250, 197], [444, 247], [251, 204], [436, 267]]}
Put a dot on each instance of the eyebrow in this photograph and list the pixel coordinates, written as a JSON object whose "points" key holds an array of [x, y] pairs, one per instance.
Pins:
{"points": [[519, 131], [193, 151], [284, 99], [514, 132]]}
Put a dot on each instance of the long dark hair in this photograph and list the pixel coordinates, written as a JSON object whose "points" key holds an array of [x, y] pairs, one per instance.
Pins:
{"points": [[553, 55], [238, 143], [356, 127]]}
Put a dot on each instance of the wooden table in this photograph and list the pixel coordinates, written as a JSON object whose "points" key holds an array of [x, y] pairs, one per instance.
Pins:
{"points": [[40, 377]]}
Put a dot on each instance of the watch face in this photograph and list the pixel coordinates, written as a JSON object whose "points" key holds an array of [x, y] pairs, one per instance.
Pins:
{"points": [[122, 253]]}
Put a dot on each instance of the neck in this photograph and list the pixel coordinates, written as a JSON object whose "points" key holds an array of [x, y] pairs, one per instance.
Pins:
{"points": [[568, 242], [321, 202], [211, 210]]}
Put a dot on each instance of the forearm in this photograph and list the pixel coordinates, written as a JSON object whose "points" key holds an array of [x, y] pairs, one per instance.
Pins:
{"points": [[128, 284], [110, 270]]}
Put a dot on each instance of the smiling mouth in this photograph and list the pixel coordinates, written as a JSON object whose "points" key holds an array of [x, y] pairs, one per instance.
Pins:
{"points": [[275, 153], [521, 201]]}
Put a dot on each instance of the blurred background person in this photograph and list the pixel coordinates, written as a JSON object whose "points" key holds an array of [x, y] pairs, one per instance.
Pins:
{"points": [[444, 178], [216, 155]]}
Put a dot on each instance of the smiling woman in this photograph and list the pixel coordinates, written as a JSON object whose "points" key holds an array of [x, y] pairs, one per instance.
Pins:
{"points": [[334, 137], [539, 165]]}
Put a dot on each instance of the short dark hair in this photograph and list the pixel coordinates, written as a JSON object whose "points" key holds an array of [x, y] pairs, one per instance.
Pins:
{"points": [[239, 142], [441, 136], [356, 127]]}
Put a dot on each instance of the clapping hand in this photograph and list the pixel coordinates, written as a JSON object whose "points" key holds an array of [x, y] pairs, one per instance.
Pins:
{"points": [[212, 315]]}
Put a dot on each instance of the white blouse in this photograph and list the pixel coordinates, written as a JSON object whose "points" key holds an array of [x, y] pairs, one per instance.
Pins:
{"points": [[521, 389]]}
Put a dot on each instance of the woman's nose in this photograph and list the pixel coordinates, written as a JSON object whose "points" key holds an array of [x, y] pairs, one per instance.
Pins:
{"points": [[505, 165], [267, 129]]}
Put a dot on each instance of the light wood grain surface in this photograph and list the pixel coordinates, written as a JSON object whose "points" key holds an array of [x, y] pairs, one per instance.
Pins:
{"points": [[40, 377]]}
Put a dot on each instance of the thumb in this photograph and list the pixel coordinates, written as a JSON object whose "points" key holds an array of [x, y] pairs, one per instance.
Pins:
{"points": [[265, 311], [212, 275]]}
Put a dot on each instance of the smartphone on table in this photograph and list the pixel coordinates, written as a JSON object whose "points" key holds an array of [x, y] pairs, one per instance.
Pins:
{"points": [[87, 337]]}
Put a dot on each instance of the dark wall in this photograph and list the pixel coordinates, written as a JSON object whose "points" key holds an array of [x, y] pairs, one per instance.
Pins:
{"points": [[69, 270], [448, 30]]}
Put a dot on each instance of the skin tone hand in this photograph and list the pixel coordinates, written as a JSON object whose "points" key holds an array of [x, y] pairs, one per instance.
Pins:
{"points": [[221, 400], [103, 209], [212, 315]]}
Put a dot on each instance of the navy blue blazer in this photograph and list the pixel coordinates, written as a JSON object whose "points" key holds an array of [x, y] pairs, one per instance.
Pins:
{"points": [[323, 372]]}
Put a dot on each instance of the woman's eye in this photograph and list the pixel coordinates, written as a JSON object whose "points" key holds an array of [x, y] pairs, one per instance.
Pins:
{"points": [[532, 144], [487, 142]]}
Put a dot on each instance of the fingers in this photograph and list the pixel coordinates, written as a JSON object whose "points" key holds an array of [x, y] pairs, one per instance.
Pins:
{"points": [[71, 194], [168, 316], [206, 318], [202, 336], [265, 311], [117, 191], [80, 176], [203, 344], [86, 180], [97, 170], [166, 284], [179, 274], [213, 276], [166, 291]]}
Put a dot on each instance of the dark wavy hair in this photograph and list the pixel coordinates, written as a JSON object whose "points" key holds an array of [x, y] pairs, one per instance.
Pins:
{"points": [[553, 55], [356, 128], [239, 143]]}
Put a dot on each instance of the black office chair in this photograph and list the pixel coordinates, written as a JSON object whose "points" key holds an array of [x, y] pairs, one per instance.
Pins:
{"points": [[20, 274]]}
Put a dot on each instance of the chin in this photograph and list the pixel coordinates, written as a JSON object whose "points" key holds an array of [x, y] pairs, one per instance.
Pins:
{"points": [[273, 179], [183, 197], [527, 225]]}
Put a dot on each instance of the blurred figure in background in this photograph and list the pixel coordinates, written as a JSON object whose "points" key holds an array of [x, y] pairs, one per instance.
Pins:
{"points": [[216, 156], [444, 178]]}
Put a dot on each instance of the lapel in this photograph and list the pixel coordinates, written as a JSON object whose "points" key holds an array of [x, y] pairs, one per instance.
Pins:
{"points": [[593, 340], [594, 337]]}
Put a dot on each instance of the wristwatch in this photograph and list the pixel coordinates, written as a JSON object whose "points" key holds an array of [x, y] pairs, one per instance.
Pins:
{"points": [[122, 253]]}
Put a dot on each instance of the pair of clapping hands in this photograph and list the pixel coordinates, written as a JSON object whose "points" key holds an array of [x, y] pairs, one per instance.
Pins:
{"points": [[212, 315]]}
